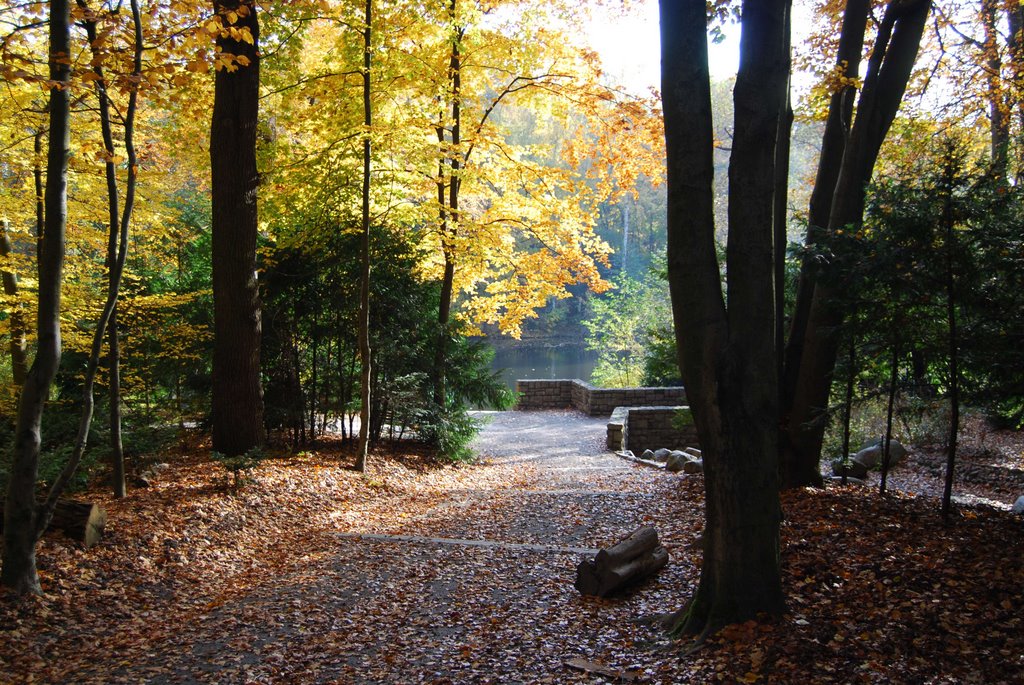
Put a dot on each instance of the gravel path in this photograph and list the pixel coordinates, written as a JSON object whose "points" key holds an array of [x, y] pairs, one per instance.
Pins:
{"points": [[478, 589]]}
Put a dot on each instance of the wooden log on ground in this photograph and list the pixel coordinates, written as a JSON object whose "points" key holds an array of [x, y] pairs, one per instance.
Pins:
{"points": [[635, 558], [80, 521]]}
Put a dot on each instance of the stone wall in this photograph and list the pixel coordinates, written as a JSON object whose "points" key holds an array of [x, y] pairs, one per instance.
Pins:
{"points": [[652, 428], [545, 394], [565, 393]]}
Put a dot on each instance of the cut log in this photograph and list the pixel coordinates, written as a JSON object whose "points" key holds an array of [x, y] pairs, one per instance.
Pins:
{"points": [[633, 559], [641, 540], [80, 521]]}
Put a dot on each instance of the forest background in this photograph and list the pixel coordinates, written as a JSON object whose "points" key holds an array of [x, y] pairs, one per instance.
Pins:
{"points": [[513, 184]]}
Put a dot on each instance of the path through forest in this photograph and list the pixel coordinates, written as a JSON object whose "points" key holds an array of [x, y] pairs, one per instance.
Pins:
{"points": [[477, 587]]}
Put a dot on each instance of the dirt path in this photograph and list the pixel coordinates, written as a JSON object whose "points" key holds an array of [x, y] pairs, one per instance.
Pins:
{"points": [[476, 589]]}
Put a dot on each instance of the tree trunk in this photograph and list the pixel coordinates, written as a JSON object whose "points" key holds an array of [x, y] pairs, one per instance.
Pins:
{"points": [[237, 394], [796, 473], [952, 336], [364, 290], [21, 515], [999, 120], [19, 357], [81, 521], [889, 70], [728, 356]]}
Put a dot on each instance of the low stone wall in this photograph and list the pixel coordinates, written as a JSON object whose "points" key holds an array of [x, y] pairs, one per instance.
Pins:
{"points": [[545, 394], [566, 393], [651, 428]]}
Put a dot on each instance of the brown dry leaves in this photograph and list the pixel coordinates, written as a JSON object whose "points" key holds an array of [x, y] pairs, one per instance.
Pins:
{"points": [[193, 584]]}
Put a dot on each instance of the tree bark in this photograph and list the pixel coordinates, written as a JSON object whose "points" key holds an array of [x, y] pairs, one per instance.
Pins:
{"points": [[795, 473], [815, 346], [21, 515], [364, 289], [728, 355], [237, 393], [81, 521]]}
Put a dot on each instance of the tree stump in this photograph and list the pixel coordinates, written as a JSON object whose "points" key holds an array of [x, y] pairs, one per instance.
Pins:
{"points": [[80, 521], [612, 568]]}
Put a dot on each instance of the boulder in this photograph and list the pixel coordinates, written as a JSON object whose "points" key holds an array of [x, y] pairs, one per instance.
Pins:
{"points": [[693, 452], [648, 454], [871, 455], [693, 466], [1018, 506], [662, 454], [850, 480], [854, 469], [676, 462]]}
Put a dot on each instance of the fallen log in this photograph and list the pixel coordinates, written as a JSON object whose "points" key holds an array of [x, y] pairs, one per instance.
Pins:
{"points": [[80, 521], [635, 558]]}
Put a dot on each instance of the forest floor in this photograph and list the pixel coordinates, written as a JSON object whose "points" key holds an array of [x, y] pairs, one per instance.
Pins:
{"points": [[419, 572]]}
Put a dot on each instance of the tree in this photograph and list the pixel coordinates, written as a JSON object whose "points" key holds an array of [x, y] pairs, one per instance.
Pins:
{"points": [[364, 251], [845, 168], [24, 519], [237, 400], [727, 352]]}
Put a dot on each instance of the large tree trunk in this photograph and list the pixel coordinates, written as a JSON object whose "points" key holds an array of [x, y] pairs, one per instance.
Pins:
{"points": [[237, 397], [728, 356], [21, 515], [814, 337], [833, 144]]}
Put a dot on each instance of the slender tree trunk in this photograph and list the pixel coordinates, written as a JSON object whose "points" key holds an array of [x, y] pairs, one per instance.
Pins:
{"points": [[1015, 52], [728, 356], [364, 290], [890, 407], [952, 338], [37, 177], [237, 397], [814, 344], [851, 377], [999, 120], [780, 219], [19, 356], [449, 206], [21, 514]]}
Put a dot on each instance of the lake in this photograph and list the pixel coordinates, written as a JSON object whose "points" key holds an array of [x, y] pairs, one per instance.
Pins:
{"points": [[533, 362]]}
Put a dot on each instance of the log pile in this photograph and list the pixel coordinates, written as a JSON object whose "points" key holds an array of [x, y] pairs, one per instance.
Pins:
{"points": [[635, 558], [80, 521]]}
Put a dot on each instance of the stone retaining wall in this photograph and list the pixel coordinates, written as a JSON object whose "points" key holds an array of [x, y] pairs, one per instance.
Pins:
{"points": [[651, 428], [574, 393]]}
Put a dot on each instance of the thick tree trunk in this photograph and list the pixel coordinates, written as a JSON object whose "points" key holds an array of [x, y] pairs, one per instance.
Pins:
{"points": [[21, 515], [237, 397], [794, 472], [19, 357], [728, 357], [889, 70]]}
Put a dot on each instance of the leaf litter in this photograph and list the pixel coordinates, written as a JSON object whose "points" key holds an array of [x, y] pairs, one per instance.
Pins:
{"points": [[195, 583]]}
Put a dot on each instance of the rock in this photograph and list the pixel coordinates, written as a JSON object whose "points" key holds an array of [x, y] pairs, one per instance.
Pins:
{"points": [[648, 454], [676, 462], [1018, 506], [871, 455], [850, 480], [854, 469], [693, 452], [693, 466], [662, 454]]}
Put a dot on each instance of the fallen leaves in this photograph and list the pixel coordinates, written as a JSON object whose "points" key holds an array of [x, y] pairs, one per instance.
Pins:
{"points": [[195, 584]]}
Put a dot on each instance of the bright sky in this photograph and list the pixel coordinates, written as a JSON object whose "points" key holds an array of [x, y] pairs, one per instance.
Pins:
{"points": [[630, 45]]}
